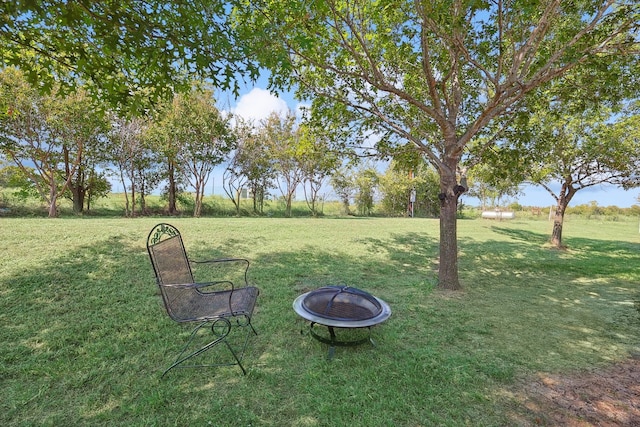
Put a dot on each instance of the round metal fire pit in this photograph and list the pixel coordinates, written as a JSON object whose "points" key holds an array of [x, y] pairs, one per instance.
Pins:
{"points": [[341, 307]]}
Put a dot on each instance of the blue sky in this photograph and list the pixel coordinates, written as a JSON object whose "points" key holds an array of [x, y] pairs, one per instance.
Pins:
{"points": [[256, 102], [604, 195]]}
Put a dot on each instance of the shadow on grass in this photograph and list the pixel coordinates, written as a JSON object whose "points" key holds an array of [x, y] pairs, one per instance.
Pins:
{"points": [[87, 339]]}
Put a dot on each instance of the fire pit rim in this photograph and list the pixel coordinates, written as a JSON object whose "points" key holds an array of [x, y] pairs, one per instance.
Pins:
{"points": [[384, 314]]}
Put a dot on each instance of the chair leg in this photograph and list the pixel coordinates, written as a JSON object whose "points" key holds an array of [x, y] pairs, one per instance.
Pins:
{"points": [[236, 357], [221, 335], [201, 350]]}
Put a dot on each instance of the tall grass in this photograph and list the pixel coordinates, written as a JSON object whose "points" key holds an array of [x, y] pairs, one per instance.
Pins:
{"points": [[84, 338], [114, 206]]}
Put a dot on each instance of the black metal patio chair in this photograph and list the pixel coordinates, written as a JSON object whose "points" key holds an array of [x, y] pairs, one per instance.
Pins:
{"points": [[219, 304]]}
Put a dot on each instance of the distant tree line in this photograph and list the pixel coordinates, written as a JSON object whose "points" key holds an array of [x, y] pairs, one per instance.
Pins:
{"points": [[68, 145], [65, 145]]}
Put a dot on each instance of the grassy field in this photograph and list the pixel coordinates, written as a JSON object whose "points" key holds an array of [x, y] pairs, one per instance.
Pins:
{"points": [[84, 338]]}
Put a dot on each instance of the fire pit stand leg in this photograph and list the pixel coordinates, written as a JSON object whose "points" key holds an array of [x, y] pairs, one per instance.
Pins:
{"points": [[332, 341], [332, 346]]}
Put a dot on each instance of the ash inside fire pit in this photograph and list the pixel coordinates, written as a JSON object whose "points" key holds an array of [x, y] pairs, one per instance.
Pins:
{"points": [[342, 303]]}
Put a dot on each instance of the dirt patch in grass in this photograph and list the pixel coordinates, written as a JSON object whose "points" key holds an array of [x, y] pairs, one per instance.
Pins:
{"points": [[605, 397]]}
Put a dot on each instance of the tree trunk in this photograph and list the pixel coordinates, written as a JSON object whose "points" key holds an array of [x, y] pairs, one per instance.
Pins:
{"points": [[566, 194], [143, 204], [288, 201], [312, 197], [556, 234], [77, 195], [260, 198], [345, 205], [53, 200], [448, 272], [172, 209], [142, 191], [76, 188], [197, 208], [237, 202], [133, 200], [133, 192], [126, 193], [254, 194]]}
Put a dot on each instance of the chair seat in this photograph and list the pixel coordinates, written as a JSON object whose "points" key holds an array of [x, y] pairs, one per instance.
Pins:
{"points": [[200, 306]]}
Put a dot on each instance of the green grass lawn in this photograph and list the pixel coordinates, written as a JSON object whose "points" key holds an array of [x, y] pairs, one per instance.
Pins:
{"points": [[84, 338]]}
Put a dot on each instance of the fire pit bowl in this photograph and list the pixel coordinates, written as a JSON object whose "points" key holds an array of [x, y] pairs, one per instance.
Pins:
{"points": [[341, 307]]}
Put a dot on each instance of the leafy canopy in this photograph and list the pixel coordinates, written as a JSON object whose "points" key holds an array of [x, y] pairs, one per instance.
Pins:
{"points": [[129, 51], [427, 72]]}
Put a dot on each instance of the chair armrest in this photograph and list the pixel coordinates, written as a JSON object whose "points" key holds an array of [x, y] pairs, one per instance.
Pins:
{"points": [[201, 285], [198, 285], [243, 260], [179, 285], [242, 269]]}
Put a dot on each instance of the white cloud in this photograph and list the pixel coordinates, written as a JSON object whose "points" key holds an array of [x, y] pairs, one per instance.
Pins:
{"points": [[258, 104]]}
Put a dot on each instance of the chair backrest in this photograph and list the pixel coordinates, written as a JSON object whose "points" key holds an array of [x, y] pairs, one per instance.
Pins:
{"points": [[171, 267], [168, 256]]}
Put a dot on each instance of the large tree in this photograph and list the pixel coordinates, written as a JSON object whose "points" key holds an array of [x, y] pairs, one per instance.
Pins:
{"points": [[198, 137], [83, 141], [282, 137], [249, 164], [579, 131], [343, 182], [565, 151], [47, 137], [318, 162], [586, 151], [136, 165], [432, 73]]}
